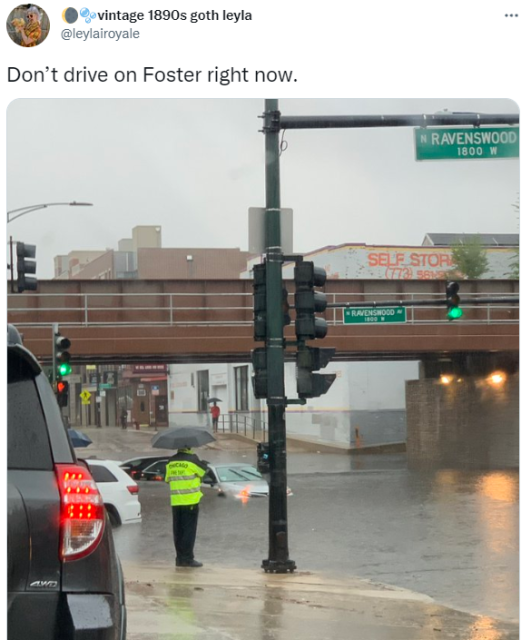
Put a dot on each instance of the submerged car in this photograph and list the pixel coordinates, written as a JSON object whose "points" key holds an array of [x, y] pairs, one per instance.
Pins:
{"points": [[237, 479], [134, 466]]}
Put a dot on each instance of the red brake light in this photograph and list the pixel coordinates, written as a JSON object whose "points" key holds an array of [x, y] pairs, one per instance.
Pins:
{"points": [[82, 511], [133, 489]]}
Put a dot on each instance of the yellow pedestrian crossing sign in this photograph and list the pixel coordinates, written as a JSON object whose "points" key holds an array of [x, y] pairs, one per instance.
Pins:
{"points": [[85, 397]]}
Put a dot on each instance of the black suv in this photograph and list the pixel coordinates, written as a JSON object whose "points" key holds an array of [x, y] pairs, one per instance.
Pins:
{"points": [[65, 581]]}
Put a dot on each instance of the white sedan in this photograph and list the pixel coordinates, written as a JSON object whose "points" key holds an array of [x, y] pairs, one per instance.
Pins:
{"points": [[119, 491]]}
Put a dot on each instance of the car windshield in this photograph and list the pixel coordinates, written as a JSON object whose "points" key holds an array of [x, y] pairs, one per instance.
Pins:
{"points": [[237, 474], [157, 467]]}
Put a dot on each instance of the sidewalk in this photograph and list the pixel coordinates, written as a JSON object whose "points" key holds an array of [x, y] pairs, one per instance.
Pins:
{"points": [[217, 602]]}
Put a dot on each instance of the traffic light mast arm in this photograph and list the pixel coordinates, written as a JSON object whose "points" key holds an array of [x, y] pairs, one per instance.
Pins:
{"points": [[372, 121], [441, 302]]}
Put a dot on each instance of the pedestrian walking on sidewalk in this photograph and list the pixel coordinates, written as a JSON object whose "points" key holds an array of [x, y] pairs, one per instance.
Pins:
{"points": [[123, 418], [214, 412], [183, 473]]}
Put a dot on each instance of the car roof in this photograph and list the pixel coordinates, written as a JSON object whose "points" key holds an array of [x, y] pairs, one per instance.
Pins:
{"points": [[154, 456], [112, 465], [233, 464], [13, 335]]}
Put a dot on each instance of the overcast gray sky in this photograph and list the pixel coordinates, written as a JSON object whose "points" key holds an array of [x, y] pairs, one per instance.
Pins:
{"points": [[194, 167]]}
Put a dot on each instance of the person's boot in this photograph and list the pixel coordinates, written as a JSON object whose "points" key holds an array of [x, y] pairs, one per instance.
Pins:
{"points": [[192, 563]]}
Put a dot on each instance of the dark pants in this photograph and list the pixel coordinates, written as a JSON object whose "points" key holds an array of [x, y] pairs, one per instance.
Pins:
{"points": [[215, 423], [184, 531]]}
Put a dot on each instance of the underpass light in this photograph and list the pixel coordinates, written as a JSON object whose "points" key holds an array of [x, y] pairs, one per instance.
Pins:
{"points": [[497, 378], [446, 379]]}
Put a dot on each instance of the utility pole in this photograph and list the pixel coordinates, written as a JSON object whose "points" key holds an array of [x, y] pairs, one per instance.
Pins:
{"points": [[278, 560]]}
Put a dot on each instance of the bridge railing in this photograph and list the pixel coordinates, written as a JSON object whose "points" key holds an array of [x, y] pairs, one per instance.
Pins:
{"points": [[217, 308]]}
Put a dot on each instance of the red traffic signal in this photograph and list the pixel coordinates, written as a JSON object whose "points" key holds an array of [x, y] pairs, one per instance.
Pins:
{"points": [[62, 393]]}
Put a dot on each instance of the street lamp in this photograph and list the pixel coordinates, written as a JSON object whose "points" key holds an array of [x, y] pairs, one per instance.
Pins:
{"points": [[35, 207]]}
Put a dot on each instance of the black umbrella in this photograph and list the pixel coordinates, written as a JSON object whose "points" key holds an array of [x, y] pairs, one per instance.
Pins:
{"points": [[181, 438], [78, 438], [214, 400]]}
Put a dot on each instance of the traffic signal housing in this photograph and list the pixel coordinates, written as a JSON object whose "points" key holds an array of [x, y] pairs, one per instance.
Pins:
{"points": [[308, 302], [260, 302], [262, 455], [26, 264], [61, 356], [259, 361], [63, 388], [453, 310], [310, 359]]}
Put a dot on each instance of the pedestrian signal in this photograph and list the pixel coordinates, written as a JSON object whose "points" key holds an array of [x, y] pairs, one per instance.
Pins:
{"points": [[63, 387]]}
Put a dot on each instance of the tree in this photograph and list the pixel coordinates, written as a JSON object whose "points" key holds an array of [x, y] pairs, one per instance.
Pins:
{"points": [[470, 259]]}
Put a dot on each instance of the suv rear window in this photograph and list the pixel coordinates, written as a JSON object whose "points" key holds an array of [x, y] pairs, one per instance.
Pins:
{"points": [[27, 434], [101, 474]]}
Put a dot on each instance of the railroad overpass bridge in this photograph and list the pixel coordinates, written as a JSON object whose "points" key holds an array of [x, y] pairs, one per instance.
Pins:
{"points": [[172, 321]]}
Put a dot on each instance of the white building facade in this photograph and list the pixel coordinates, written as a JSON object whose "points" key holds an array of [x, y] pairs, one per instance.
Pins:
{"points": [[365, 405]]}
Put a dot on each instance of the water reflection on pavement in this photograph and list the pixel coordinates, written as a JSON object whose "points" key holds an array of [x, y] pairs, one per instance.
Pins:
{"points": [[450, 534]]}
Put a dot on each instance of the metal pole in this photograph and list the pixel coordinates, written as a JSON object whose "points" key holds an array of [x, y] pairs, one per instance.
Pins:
{"points": [[278, 560], [98, 404], [55, 331], [11, 264]]}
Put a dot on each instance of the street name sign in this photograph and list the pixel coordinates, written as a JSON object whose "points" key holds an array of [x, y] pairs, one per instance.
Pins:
{"points": [[478, 143], [374, 315]]}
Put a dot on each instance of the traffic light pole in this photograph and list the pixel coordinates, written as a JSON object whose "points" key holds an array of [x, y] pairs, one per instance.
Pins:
{"points": [[278, 560], [55, 331]]}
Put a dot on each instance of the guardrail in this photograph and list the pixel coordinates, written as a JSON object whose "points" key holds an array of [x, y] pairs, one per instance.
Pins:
{"points": [[242, 425], [217, 309]]}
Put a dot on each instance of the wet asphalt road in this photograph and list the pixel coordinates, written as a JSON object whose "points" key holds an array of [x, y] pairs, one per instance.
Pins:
{"points": [[450, 534]]}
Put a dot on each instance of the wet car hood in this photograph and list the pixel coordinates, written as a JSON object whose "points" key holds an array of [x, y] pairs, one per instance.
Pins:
{"points": [[254, 488]]}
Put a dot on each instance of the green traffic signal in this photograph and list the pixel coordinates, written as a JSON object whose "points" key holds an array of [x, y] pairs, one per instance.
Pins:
{"points": [[64, 369], [455, 313]]}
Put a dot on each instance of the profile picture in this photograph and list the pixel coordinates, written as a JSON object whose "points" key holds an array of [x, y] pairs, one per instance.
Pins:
{"points": [[28, 25]]}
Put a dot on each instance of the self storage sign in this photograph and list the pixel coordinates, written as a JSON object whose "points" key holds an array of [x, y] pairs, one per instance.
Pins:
{"points": [[476, 143]]}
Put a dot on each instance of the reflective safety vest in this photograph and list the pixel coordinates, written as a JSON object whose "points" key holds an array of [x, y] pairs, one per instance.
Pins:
{"points": [[184, 472]]}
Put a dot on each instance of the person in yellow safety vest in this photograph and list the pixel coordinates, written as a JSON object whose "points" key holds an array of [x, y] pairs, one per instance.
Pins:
{"points": [[183, 473]]}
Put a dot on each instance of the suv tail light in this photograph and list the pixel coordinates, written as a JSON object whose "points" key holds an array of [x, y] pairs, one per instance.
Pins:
{"points": [[133, 489], [82, 511]]}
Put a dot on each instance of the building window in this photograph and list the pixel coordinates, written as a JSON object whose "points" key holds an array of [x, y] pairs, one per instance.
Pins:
{"points": [[202, 390], [242, 386]]}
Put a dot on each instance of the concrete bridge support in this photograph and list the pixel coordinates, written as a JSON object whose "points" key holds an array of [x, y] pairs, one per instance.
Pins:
{"points": [[465, 423]]}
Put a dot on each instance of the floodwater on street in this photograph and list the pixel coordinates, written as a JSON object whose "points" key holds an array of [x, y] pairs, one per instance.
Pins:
{"points": [[450, 534]]}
